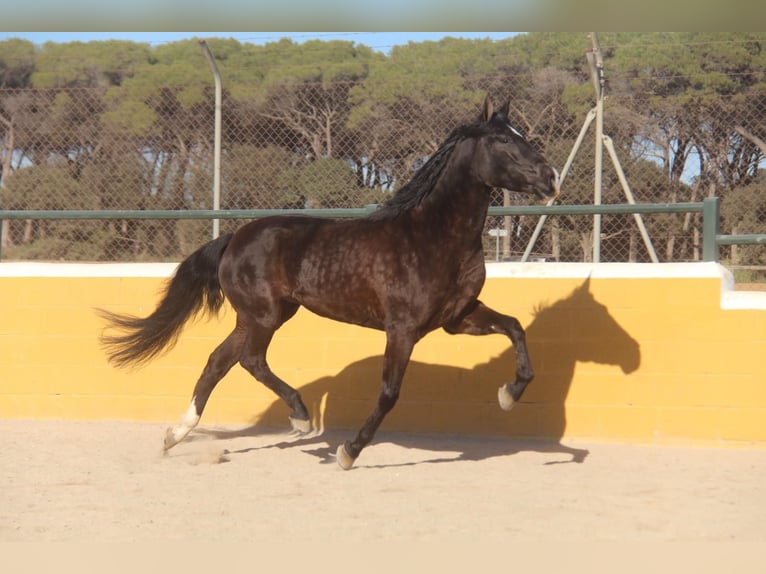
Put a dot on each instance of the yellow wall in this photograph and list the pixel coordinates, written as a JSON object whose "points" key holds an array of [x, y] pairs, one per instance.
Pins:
{"points": [[643, 353]]}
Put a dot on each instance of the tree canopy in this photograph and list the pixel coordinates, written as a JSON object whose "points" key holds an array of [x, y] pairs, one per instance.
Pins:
{"points": [[336, 124]]}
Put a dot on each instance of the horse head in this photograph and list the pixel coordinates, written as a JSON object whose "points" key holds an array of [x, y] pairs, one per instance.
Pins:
{"points": [[505, 159]]}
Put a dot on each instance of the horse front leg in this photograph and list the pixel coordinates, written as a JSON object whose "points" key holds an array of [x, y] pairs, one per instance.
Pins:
{"points": [[398, 351], [481, 320]]}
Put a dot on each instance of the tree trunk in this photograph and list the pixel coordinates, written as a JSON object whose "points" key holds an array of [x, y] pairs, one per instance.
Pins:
{"points": [[632, 251], [696, 243], [5, 235], [688, 221], [316, 146], [328, 136], [670, 244], [753, 138]]}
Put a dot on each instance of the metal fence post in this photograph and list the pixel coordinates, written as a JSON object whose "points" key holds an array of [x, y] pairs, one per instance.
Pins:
{"points": [[711, 207], [217, 136], [596, 64]]}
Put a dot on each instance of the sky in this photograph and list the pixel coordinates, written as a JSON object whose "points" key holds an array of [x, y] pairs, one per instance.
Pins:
{"points": [[380, 41]]}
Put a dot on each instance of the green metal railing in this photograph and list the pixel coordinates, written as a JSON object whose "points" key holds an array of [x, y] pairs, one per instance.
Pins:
{"points": [[710, 209]]}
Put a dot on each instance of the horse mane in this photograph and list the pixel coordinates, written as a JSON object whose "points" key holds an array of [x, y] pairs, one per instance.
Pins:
{"points": [[422, 183]]}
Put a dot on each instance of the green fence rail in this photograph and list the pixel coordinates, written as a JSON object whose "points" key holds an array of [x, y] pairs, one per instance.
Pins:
{"points": [[710, 209]]}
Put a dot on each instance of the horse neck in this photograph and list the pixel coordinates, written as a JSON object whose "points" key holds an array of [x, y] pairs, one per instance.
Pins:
{"points": [[457, 206]]}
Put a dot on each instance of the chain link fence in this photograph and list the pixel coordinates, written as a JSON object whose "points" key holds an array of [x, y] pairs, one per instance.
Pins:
{"points": [[308, 143]]}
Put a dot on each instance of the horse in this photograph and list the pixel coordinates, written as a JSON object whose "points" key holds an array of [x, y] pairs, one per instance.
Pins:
{"points": [[414, 265]]}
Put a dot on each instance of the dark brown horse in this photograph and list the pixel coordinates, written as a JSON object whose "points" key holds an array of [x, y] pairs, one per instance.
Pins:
{"points": [[414, 265]]}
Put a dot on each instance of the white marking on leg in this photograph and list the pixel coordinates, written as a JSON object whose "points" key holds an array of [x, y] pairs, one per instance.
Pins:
{"points": [[189, 420], [505, 399], [344, 459]]}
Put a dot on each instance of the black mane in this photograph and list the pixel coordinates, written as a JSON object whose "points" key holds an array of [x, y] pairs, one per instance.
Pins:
{"points": [[414, 191]]}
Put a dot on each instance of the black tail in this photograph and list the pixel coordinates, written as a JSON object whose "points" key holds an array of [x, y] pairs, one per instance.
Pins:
{"points": [[193, 286]]}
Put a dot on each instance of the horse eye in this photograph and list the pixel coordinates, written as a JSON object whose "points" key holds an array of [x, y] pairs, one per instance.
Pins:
{"points": [[505, 139]]}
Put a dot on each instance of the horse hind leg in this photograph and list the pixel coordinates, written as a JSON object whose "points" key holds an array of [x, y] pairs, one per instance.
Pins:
{"points": [[218, 364], [253, 360]]}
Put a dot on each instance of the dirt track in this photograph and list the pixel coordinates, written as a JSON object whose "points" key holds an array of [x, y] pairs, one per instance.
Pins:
{"points": [[106, 481], [750, 287]]}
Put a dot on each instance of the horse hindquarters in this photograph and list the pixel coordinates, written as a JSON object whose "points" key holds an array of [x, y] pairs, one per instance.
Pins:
{"points": [[260, 312]]}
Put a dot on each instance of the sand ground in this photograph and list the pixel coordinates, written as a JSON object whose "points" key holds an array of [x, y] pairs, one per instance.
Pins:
{"points": [[106, 481]]}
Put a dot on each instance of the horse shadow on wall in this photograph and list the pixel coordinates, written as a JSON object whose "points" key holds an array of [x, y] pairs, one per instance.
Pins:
{"points": [[574, 329]]}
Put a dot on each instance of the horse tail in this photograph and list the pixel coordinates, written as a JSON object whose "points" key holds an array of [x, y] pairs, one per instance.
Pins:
{"points": [[194, 286]]}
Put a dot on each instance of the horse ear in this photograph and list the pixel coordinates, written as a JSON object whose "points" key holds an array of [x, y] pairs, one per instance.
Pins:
{"points": [[488, 109], [505, 108]]}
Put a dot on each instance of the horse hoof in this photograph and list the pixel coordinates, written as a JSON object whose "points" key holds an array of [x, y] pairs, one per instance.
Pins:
{"points": [[170, 440], [505, 399], [300, 426], [344, 460]]}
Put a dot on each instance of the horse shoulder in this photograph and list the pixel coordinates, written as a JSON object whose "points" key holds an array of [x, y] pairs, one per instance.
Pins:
{"points": [[472, 274]]}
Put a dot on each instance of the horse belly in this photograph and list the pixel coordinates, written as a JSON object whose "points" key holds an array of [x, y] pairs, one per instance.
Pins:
{"points": [[341, 283], [346, 313], [344, 297]]}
